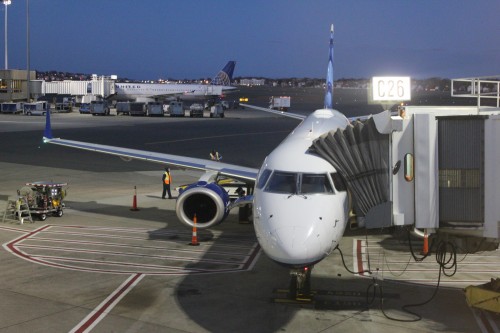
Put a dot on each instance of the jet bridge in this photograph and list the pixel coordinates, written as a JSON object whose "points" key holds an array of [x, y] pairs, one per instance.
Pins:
{"points": [[432, 168], [101, 87]]}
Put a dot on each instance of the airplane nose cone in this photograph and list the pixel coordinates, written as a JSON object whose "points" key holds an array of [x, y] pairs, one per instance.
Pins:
{"points": [[299, 242], [295, 245], [297, 230]]}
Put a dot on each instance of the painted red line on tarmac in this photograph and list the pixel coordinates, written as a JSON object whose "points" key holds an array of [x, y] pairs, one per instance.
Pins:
{"points": [[17, 246], [252, 259], [131, 254], [107, 305], [488, 323], [359, 256], [160, 248], [13, 229]]}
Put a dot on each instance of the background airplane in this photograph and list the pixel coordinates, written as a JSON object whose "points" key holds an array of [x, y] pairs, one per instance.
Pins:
{"points": [[300, 204], [153, 92]]}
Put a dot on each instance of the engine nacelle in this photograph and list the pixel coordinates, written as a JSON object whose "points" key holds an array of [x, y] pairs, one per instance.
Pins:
{"points": [[208, 201]]}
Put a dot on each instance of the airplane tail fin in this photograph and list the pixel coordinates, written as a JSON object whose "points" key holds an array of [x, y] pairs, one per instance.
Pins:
{"points": [[329, 76], [47, 134], [224, 77]]}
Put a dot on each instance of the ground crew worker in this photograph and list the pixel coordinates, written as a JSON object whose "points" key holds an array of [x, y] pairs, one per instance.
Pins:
{"points": [[166, 180], [214, 155]]}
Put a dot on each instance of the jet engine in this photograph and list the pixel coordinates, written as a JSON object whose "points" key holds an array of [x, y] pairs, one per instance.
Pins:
{"points": [[208, 201]]}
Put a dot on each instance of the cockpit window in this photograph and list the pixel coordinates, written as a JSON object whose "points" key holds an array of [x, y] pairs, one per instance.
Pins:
{"points": [[338, 182], [264, 176], [298, 183], [282, 182], [314, 183]]}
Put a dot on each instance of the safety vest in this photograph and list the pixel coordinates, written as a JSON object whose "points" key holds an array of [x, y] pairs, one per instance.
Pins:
{"points": [[167, 178]]}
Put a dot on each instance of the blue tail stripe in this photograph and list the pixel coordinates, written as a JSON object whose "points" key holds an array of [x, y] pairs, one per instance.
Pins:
{"points": [[48, 129], [329, 76]]}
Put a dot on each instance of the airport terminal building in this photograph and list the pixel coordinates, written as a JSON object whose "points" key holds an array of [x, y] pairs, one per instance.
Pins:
{"points": [[13, 85]]}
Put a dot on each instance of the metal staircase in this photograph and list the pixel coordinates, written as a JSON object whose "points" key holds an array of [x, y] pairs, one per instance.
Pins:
{"points": [[17, 211]]}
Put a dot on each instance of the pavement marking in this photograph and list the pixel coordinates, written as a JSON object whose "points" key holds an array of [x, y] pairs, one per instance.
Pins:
{"points": [[133, 250], [400, 266], [13, 229], [485, 321], [94, 317]]}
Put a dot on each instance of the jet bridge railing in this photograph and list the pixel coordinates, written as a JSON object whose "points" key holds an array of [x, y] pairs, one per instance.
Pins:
{"points": [[481, 88]]}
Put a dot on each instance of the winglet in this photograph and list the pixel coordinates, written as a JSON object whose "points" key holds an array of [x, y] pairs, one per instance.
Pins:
{"points": [[47, 134], [329, 76]]}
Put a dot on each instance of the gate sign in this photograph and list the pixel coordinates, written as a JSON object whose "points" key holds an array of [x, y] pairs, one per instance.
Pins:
{"points": [[391, 88]]}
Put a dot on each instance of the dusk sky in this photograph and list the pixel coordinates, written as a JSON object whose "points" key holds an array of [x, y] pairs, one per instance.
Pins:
{"points": [[152, 39]]}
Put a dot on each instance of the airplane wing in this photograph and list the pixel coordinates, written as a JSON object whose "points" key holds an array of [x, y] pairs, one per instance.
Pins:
{"points": [[279, 113], [247, 175], [297, 116]]}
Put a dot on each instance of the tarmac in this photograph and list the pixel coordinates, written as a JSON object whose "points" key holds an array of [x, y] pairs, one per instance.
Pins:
{"points": [[103, 267]]}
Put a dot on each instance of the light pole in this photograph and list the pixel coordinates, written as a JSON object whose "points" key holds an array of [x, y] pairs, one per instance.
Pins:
{"points": [[6, 3], [28, 93]]}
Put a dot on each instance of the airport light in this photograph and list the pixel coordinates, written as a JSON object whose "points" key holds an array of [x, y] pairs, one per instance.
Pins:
{"points": [[6, 3]]}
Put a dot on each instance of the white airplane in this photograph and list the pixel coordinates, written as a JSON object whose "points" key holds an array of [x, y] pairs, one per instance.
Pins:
{"points": [[151, 92], [300, 205]]}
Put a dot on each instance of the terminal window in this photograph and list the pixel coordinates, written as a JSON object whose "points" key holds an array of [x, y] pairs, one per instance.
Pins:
{"points": [[3, 86], [16, 86]]}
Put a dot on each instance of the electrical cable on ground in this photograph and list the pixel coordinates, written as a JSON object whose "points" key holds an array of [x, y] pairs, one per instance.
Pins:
{"points": [[447, 260]]}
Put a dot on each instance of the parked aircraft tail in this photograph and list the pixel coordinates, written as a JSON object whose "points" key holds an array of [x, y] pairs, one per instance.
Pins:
{"points": [[224, 77], [329, 76], [48, 128]]}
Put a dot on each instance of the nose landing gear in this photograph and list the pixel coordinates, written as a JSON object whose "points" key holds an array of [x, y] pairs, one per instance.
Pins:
{"points": [[300, 284]]}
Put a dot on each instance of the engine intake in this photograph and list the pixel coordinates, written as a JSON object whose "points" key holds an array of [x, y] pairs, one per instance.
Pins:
{"points": [[208, 201]]}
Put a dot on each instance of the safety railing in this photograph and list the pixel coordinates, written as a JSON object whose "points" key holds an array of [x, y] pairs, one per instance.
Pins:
{"points": [[482, 88]]}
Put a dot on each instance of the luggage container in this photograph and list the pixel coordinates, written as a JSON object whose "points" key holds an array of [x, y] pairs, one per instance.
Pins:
{"points": [[36, 108], [99, 108], [154, 109], [122, 108], [216, 111], [176, 109], [137, 109], [12, 107], [196, 110]]}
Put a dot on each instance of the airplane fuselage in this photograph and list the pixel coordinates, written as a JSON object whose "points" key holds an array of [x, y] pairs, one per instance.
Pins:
{"points": [[157, 91], [300, 207]]}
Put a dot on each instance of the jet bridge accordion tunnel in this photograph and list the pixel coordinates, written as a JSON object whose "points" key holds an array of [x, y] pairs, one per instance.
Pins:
{"points": [[361, 155], [431, 168]]}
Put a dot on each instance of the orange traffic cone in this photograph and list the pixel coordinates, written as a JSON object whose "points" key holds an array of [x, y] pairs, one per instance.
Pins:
{"points": [[194, 237], [134, 201], [425, 248]]}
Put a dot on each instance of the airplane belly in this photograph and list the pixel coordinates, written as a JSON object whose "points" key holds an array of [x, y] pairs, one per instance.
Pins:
{"points": [[298, 229]]}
